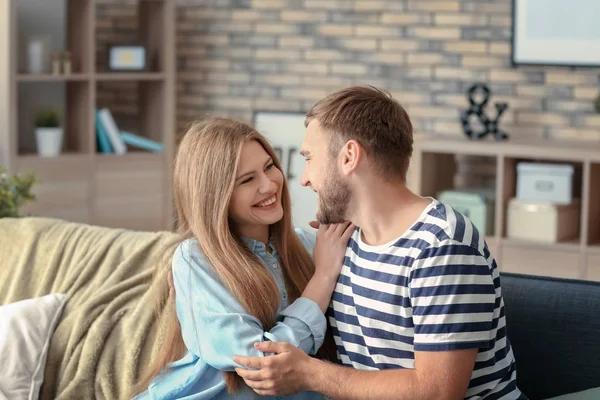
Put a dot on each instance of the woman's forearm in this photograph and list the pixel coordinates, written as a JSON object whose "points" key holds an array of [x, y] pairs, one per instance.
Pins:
{"points": [[319, 289]]}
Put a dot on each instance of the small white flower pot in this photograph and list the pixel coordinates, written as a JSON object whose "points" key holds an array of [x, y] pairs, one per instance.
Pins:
{"points": [[49, 141]]}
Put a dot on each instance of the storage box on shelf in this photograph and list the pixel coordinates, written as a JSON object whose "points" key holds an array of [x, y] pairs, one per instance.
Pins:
{"points": [[576, 251], [544, 222], [547, 206], [84, 183], [477, 204], [545, 182]]}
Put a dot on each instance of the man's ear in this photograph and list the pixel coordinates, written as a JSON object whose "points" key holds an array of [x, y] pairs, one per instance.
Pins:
{"points": [[351, 155]]}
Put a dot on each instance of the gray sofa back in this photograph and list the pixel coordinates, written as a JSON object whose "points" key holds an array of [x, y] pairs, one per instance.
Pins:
{"points": [[554, 328]]}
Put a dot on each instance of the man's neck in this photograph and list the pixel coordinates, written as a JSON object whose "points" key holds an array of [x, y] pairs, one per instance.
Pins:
{"points": [[385, 210]]}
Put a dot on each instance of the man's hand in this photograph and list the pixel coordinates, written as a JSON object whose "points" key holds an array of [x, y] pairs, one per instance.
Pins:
{"points": [[277, 375]]}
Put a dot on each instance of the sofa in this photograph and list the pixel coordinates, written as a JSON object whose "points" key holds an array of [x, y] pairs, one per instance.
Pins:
{"points": [[554, 328], [108, 329]]}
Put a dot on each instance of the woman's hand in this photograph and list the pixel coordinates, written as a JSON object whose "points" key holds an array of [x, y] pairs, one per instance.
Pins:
{"points": [[330, 248]]}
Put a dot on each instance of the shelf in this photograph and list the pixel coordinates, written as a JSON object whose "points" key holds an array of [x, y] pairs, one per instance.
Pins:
{"points": [[594, 249], [434, 166], [493, 244], [79, 184], [510, 182], [441, 172], [39, 20], [491, 240], [560, 261], [130, 156], [51, 78], [135, 106], [593, 215], [71, 99], [567, 246], [136, 23], [518, 148], [34, 158], [129, 76]]}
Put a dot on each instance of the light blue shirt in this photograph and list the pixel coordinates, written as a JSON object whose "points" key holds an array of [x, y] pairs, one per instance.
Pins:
{"points": [[216, 327]]}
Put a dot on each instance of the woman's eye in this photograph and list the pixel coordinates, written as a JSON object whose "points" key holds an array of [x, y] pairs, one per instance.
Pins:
{"points": [[270, 166], [245, 181]]}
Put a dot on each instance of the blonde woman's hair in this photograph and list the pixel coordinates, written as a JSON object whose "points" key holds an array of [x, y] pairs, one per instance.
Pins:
{"points": [[204, 176]]}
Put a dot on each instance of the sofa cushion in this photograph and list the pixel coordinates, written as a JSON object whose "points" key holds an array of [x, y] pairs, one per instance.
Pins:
{"points": [[554, 328], [590, 394], [25, 333]]}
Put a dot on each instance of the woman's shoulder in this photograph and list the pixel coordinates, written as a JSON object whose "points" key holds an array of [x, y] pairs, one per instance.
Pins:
{"points": [[187, 248], [188, 254]]}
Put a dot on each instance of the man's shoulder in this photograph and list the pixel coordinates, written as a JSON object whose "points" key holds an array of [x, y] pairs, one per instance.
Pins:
{"points": [[448, 226]]}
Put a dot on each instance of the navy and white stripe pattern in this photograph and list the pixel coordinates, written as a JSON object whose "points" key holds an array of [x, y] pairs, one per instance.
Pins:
{"points": [[435, 288]]}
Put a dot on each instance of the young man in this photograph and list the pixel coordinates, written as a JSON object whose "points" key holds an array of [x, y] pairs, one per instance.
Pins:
{"points": [[417, 311]]}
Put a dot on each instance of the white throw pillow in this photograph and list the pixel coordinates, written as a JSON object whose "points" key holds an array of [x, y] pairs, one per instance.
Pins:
{"points": [[26, 328]]}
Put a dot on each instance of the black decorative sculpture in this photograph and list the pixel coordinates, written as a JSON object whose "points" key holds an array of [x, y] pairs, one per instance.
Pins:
{"points": [[478, 109]]}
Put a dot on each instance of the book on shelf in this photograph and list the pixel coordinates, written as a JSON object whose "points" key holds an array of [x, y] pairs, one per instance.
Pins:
{"points": [[111, 140], [104, 145], [141, 142], [112, 131]]}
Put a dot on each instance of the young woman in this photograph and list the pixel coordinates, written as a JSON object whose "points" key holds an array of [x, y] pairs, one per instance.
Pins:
{"points": [[242, 274]]}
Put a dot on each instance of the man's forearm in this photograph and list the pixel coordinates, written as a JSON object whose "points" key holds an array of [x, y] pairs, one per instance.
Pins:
{"points": [[351, 384]]}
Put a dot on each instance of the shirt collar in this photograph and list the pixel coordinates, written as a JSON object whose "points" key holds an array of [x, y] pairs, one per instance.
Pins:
{"points": [[257, 246]]}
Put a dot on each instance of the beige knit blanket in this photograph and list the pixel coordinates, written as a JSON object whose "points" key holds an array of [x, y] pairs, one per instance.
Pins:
{"points": [[108, 330]]}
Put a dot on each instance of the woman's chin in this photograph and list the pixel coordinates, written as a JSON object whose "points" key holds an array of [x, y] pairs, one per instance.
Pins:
{"points": [[269, 217]]}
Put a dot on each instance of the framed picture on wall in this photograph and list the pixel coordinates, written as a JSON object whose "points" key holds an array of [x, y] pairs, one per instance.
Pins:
{"points": [[556, 32], [285, 132]]}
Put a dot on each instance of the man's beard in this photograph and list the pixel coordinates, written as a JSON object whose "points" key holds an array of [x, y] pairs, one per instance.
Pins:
{"points": [[334, 198]]}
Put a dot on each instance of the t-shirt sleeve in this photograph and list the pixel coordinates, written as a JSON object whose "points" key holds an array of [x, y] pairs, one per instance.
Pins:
{"points": [[453, 298]]}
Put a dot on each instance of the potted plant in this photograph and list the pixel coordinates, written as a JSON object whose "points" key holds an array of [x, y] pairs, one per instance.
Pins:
{"points": [[15, 191], [48, 132]]}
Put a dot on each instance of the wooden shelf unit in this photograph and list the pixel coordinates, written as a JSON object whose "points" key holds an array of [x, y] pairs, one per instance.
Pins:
{"points": [[130, 191], [434, 167]]}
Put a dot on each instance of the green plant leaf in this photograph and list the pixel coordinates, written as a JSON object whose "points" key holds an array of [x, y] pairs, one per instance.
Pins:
{"points": [[47, 118], [15, 192]]}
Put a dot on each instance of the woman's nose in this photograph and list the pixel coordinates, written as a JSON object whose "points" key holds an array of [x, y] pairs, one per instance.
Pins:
{"points": [[267, 185]]}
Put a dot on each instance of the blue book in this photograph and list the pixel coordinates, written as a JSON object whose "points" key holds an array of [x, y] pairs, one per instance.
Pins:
{"points": [[141, 142], [103, 141]]}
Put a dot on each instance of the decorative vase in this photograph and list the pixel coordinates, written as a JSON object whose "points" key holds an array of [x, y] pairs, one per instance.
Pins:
{"points": [[37, 55], [49, 141]]}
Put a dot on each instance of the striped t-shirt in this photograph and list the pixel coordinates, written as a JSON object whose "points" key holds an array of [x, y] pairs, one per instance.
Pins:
{"points": [[435, 288]]}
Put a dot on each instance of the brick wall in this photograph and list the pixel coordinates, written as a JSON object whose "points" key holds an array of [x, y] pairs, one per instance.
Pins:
{"points": [[239, 56]]}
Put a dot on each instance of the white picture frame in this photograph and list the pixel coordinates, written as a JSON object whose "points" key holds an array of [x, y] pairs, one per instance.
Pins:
{"points": [[556, 33], [285, 132]]}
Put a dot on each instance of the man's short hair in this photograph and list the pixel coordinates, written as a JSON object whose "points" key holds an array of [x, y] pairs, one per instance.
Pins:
{"points": [[372, 118]]}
